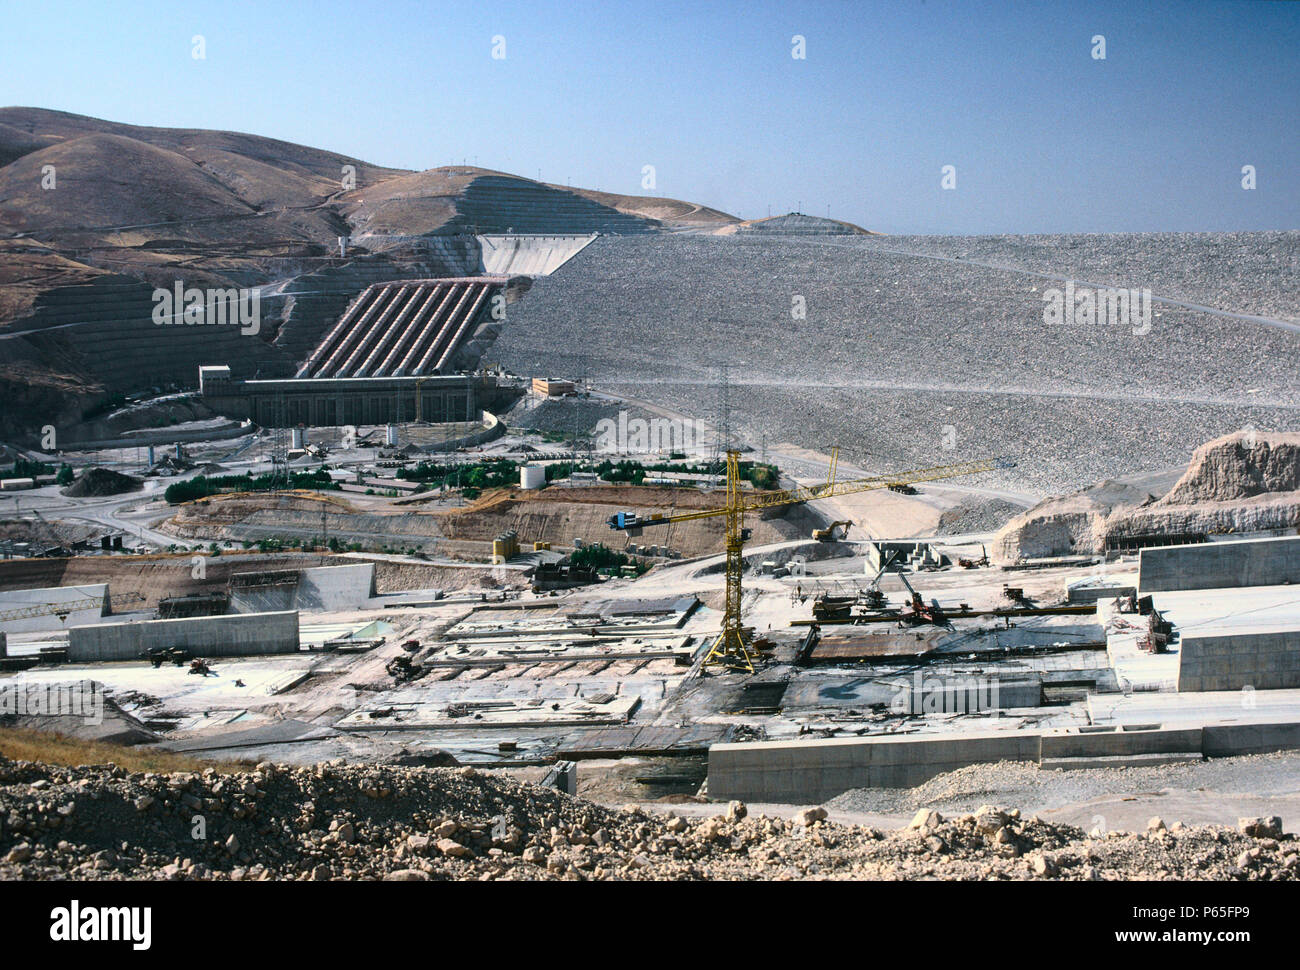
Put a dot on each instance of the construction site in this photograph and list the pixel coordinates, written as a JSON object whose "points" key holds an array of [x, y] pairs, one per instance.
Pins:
{"points": [[545, 487]]}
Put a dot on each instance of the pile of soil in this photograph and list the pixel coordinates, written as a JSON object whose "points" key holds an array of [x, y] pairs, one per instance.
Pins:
{"points": [[102, 481]]}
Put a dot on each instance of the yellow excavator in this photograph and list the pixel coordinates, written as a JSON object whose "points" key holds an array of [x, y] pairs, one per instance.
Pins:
{"points": [[731, 648], [828, 534]]}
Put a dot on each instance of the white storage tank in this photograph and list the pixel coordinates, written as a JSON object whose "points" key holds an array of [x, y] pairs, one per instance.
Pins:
{"points": [[532, 476]]}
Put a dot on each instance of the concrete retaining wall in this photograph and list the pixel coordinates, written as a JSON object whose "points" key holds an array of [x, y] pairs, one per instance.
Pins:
{"points": [[205, 636], [1230, 661], [319, 589], [1118, 743], [808, 772], [1222, 740], [1220, 565], [813, 771]]}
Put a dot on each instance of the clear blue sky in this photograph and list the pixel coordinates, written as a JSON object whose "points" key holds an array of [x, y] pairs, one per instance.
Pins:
{"points": [[1044, 138]]}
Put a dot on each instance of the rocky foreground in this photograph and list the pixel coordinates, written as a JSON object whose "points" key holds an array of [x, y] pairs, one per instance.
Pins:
{"points": [[358, 822]]}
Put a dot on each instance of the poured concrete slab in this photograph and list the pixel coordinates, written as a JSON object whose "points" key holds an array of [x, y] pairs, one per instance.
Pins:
{"points": [[276, 732], [1227, 707], [493, 714], [481, 653]]}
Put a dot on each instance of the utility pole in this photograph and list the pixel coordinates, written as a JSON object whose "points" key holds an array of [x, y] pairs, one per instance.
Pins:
{"points": [[722, 422], [279, 447]]}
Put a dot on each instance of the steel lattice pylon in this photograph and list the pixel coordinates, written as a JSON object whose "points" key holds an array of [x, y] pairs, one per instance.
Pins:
{"points": [[732, 646]]}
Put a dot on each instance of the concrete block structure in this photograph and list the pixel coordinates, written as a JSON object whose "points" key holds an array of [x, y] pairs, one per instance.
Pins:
{"points": [[804, 772], [1223, 740], [901, 554], [330, 402], [529, 255], [552, 387], [239, 635], [1235, 659], [1093, 746], [1216, 565], [316, 589], [808, 772]]}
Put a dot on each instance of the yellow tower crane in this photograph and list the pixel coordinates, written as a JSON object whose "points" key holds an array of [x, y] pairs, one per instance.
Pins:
{"points": [[732, 646]]}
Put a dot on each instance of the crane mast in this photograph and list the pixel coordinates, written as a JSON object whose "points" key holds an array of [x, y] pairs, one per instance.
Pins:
{"points": [[732, 647]]}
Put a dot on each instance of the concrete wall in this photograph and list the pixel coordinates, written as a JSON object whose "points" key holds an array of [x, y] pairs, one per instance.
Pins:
{"points": [[1220, 565], [493, 428], [319, 588], [1119, 743], [1264, 660], [1094, 594], [1222, 740], [14, 599], [807, 772], [516, 255], [206, 636], [803, 772]]}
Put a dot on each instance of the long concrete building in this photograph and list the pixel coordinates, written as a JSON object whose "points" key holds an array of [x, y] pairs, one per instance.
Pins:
{"points": [[238, 635], [330, 402]]}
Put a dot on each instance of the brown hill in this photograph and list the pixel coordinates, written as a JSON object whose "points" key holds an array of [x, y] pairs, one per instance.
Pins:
{"points": [[44, 125], [672, 213], [218, 208], [110, 180], [795, 224]]}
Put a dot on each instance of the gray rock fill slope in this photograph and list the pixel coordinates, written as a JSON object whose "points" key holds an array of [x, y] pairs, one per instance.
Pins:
{"points": [[895, 347], [1248, 272]]}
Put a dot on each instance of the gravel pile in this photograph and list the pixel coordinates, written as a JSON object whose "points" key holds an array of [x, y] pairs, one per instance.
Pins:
{"points": [[332, 821], [102, 481], [976, 515], [896, 349], [565, 415], [1024, 784]]}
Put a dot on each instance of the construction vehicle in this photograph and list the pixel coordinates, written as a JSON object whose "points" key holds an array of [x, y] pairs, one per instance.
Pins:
{"points": [[173, 655], [918, 612], [828, 608], [732, 647], [828, 534], [1159, 632], [983, 560]]}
